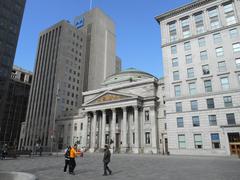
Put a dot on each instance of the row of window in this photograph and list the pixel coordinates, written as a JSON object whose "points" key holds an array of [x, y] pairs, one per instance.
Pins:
{"points": [[192, 86], [205, 69], [213, 17], [211, 118], [227, 100], [217, 38], [204, 55], [198, 143]]}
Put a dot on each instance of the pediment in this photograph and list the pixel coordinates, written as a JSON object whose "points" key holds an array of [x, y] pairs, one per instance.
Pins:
{"points": [[109, 96]]}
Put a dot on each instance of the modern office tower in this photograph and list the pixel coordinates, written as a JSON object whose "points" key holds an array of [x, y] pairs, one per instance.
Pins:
{"points": [[100, 48], [57, 82], [201, 57], [118, 65], [11, 13], [16, 106]]}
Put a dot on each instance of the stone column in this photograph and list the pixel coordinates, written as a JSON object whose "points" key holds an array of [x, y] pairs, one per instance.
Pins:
{"points": [[93, 132], [103, 128], [136, 127], [124, 130], [84, 138], [154, 127], [113, 128]]}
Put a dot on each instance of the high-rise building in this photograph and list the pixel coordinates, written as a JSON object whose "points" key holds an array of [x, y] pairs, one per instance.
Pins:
{"points": [[11, 13], [70, 59], [16, 105], [201, 57], [100, 47], [118, 65]]}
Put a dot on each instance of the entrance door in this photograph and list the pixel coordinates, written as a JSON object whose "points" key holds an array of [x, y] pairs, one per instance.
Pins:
{"points": [[234, 143], [118, 142]]}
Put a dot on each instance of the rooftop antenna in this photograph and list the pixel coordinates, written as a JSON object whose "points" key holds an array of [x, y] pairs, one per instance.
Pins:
{"points": [[90, 5]]}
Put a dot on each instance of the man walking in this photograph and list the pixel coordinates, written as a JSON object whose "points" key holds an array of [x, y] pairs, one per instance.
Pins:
{"points": [[72, 164], [106, 160], [67, 158]]}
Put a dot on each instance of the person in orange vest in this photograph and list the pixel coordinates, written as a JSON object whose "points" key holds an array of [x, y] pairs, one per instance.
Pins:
{"points": [[73, 155]]}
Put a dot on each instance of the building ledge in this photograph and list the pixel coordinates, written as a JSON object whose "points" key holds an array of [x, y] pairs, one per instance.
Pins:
{"points": [[230, 126]]}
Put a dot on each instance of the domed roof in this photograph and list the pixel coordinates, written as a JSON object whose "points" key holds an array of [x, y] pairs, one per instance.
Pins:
{"points": [[126, 76]]}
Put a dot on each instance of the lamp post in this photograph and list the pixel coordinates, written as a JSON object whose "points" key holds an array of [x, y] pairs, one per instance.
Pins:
{"points": [[54, 117]]}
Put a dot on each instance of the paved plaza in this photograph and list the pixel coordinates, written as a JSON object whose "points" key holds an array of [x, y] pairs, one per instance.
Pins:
{"points": [[129, 167]]}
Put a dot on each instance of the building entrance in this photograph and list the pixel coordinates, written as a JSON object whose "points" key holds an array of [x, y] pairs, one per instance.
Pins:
{"points": [[234, 143], [118, 142]]}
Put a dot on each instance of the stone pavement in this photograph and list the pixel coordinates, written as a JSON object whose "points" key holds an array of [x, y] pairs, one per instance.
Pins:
{"points": [[130, 167]]}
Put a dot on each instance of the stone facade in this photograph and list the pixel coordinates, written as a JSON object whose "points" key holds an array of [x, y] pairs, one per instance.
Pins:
{"points": [[201, 57], [123, 113]]}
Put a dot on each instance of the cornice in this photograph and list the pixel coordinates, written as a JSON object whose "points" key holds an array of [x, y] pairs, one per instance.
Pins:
{"points": [[182, 9]]}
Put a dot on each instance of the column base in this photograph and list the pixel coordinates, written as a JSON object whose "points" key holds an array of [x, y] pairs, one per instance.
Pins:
{"points": [[92, 150], [123, 150], [135, 150]]}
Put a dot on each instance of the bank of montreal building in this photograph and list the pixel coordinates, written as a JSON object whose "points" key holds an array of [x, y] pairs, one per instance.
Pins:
{"points": [[194, 110]]}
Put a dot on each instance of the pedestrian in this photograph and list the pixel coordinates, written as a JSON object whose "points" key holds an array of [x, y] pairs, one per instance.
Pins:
{"points": [[106, 160], [4, 151], [72, 164], [67, 158]]}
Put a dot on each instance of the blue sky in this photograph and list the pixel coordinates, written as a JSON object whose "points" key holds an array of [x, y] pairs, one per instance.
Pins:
{"points": [[137, 32]]}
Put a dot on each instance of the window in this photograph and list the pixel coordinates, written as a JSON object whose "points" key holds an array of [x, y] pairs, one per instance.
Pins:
{"points": [[203, 55], [194, 105], [227, 101], [201, 42], [229, 14], [215, 140], [231, 119], [75, 126], [205, 69], [174, 62], [180, 122], [187, 46], [222, 66], [81, 127], [174, 49], [225, 83], [181, 141], [178, 107], [236, 47], [237, 63], [147, 138], [198, 141], [172, 31], [210, 103], [177, 90], [217, 38], [199, 22], [219, 52], [233, 33], [190, 72], [146, 115], [188, 58], [133, 140], [195, 121], [192, 88], [185, 27], [176, 75], [212, 120], [239, 78], [213, 17], [208, 85]]}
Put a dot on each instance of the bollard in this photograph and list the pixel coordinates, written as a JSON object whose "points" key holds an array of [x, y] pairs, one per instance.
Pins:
{"points": [[16, 176]]}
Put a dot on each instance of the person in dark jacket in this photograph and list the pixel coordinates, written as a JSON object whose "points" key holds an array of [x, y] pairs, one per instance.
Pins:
{"points": [[67, 158], [106, 161]]}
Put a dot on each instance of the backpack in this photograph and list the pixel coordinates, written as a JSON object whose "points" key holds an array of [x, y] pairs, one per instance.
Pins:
{"points": [[67, 154]]}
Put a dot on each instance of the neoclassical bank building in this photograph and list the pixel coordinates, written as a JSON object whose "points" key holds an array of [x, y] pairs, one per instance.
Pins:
{"points": [[127, 113]]}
